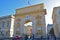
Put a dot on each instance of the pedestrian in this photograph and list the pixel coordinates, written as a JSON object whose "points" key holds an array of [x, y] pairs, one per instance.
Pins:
{"points": [[33, 36], [26, 37]]}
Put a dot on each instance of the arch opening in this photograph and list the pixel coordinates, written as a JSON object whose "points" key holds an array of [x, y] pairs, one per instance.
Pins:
{"points": [[28, 27]]}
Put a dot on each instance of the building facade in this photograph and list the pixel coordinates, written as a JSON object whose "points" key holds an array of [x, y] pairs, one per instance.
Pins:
{"points": [[56, 21], [6, 26], [36, 15], [14, 25]]}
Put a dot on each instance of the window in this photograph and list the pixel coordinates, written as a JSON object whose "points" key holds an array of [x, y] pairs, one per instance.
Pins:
{"points": [[3, 24], [39, 20], [39, 32], [59, 12], [8, 33], [1, 32], [18, 23], [8, 23], [0, 25], [39, 17], [39, 23], [39, 28], [17, 32]]}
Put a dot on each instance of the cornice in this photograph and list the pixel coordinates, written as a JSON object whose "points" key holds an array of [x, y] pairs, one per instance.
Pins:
{"points": [[41, 5], [31, 12], [7, 17]]}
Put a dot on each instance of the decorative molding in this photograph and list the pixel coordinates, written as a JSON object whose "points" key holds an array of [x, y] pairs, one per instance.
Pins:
{"points": [[31, 12]]}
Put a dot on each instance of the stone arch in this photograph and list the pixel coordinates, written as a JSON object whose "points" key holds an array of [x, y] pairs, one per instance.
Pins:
{"points": [[27, 22], [30, 13], [30, 19], [28, 27]]}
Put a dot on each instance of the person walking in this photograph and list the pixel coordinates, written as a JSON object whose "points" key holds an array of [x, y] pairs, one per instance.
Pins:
{"points": [[26, 37]]}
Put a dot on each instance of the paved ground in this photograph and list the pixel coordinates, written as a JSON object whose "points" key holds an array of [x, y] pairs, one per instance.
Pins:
{"points": [[50, 38], [31, 39]]}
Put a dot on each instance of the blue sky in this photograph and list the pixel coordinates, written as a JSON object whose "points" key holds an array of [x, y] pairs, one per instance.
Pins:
{"points": [[8, 7]]}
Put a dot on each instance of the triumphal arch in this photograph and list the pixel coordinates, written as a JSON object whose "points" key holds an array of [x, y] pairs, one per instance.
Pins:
{"points": [[36, 15]]}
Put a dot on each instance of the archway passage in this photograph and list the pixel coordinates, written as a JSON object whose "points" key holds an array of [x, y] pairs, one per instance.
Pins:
{"points": [[52, 32], [28, 27]]}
